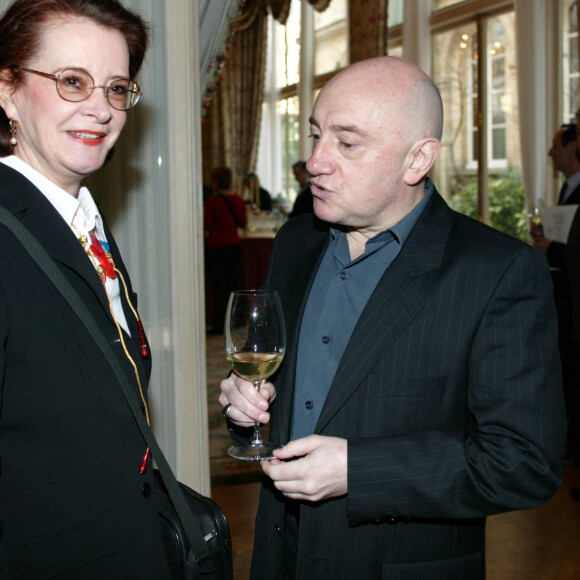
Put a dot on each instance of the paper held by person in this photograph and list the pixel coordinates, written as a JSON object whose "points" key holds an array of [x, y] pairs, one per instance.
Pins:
{"points": [[556, 221]]}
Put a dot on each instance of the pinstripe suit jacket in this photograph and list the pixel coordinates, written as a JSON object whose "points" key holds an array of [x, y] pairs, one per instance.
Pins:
{"points": [[448, 393]]}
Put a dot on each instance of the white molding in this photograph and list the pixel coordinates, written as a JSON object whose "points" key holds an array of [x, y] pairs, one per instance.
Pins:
{"points": [[186, 231]]}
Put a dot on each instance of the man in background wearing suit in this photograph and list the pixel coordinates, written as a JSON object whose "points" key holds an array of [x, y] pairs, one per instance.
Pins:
{"points": [[421, 388], [304, 202], [565, 159], [573, 269]]}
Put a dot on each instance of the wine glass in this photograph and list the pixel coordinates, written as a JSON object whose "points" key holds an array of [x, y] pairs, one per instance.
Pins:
{"points": [[255, 342], [536, 227]]}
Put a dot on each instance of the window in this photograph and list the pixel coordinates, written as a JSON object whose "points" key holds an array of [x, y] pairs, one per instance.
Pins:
{"points": [[478, 170], [570, 73], [287, 48], [279, 134], [497, 83], [307, 34], [330, 44], [437, 4], [289, 129], [474, 65], [395, 15]]}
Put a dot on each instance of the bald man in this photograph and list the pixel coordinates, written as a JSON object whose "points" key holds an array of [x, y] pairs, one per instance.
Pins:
{"points": [[421, 388]]}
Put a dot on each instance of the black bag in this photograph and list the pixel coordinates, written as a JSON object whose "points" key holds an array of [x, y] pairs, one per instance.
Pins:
{"points": [[190, 522], [214, 527]]}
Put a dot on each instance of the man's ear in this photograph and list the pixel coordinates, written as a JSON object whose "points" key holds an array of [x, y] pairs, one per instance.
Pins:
{"points": [[422, 157], [6, 91]]}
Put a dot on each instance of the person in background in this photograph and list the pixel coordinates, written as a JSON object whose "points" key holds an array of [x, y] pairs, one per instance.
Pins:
{"points": [[573, 269], [257, 194], [421, 388], [224, 212], [303, 202], [565, 159], [76, 478], [301, 174]]}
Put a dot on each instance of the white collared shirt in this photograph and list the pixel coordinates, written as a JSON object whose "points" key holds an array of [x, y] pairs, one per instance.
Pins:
{"points": [[82, 216]]}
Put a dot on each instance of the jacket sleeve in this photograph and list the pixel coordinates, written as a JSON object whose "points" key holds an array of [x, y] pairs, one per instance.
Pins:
{"points": [[556, 255], [509, 386], [4, 571]]}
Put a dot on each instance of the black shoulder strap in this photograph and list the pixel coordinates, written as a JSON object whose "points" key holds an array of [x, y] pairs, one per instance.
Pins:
{"points": [[234, 215], [47, 264]]}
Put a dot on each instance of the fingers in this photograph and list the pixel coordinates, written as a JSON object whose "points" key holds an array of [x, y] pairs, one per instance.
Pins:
{"points": [[246, 404], [318, 470], [292, 479], [296, 448]]}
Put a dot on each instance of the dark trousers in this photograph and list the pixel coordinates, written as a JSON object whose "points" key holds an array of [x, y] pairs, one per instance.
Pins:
{"points": [[291, 530], [224, 271], [569, 356]]}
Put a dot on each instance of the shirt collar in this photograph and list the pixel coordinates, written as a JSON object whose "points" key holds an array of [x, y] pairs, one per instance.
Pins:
{"points": [[403, 228], [80, 212]]}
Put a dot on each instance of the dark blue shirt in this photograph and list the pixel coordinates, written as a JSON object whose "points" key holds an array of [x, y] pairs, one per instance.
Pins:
{"points": [[340, 292]]}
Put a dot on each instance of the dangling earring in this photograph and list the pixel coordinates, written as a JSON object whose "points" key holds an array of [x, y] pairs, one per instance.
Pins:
{"points": [[13, 131]]}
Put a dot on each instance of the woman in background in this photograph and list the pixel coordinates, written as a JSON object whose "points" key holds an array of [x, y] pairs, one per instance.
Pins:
{"points": [[75, 484], [223, 213]]}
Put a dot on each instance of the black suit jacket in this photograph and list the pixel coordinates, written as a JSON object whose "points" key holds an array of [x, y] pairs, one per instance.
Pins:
{"points": [[557, 250], [448, 393], [563, 274], [573, 274], [71, 501]]}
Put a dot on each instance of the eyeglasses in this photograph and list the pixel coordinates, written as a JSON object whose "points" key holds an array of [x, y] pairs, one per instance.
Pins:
{"points": [[75, 85]]}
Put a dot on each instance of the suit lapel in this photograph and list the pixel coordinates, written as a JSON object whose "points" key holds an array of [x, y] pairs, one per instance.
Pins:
{"points": [[298, 279], [397, 299], [38, 215], [574, 197]]}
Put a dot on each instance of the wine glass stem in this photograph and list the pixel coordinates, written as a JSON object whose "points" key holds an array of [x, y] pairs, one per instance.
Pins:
{"points": [[257, 435]]}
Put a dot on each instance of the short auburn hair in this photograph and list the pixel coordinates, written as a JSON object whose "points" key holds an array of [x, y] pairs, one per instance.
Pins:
{"points": [[23, 24]]}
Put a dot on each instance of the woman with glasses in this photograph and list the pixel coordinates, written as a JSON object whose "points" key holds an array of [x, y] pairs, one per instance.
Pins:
{"points": [[75, 473]]}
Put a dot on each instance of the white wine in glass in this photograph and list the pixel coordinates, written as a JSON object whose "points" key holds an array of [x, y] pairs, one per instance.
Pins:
{"points": [[255, 342], [536, 227]]}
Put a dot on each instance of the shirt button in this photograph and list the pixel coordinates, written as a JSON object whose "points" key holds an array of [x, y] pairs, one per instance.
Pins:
{"points": [[325, 340], [146, 491], [344, 275], [309, 405]]}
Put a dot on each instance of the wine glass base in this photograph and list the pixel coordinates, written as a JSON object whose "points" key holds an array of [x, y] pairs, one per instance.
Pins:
{"points": [[261, 452]]}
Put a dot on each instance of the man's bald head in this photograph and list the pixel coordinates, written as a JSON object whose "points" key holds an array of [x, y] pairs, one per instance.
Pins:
{"points": [[376, 128], [395, 87]]}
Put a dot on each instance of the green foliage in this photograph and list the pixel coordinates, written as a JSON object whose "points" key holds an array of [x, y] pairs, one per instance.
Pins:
{"points": [[507, 207]]}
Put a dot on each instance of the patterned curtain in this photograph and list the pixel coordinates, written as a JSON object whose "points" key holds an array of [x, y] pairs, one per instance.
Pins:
{"points": [[281, 8], [233, 103], [215, 34], [368, 22], [231, 124]]}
